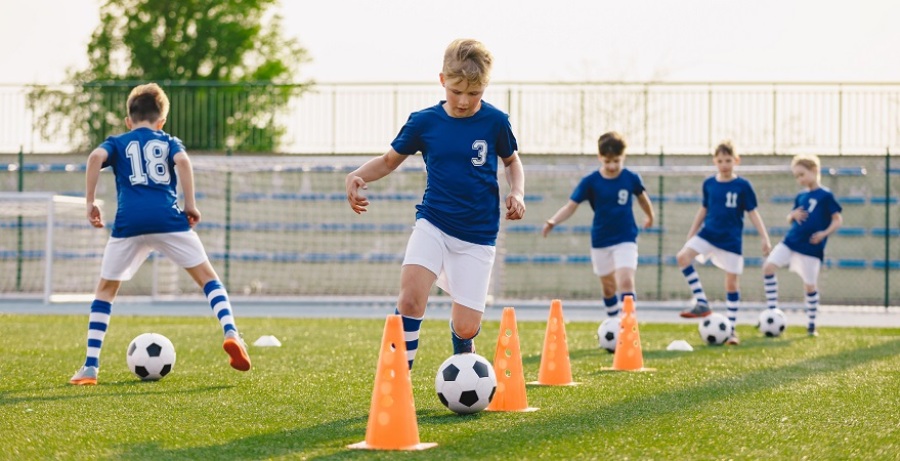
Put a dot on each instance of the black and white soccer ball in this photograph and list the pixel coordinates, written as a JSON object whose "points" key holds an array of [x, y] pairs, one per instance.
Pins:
{"points": [[608, 334], [465, 383], [772, 322], [715, 329], [151, 356]]}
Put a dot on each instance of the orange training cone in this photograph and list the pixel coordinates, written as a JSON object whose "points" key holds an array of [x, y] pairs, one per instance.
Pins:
{"points": [[555, 367], [628, 355], [392, 416], [510, 395]]}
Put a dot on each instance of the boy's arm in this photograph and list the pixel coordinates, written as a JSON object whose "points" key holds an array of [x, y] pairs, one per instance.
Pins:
{"points": [[515, 177], [757, 221], [561, 215], [92, 177], [836, 221], [185, 172], [644, 202], [372, 170], [698, 220]]}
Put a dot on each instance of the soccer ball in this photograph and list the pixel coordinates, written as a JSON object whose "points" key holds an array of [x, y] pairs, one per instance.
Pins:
{"points": [[715, 329], [150, 356], [465, 383], [772, 322], [608, 334]]}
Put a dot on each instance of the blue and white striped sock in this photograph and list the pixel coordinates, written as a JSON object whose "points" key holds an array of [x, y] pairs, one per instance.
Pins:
{"points": [[612, 306], [693, 280], [220, 305], [461, 345], [411, 328], [732, 303], [770, 282], [812, 307], [98, 322]]}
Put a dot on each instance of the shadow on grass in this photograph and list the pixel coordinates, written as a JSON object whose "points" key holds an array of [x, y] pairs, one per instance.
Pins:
{"points": [[99, 392]]}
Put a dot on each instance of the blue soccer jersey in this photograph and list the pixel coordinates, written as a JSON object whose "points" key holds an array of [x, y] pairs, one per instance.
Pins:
{"points": [[821, 205], [725, 204], [142, 160], [462, 195], [611, 200]]}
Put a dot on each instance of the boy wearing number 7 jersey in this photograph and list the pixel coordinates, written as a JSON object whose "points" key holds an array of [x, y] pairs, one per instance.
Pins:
{"points": [[717, 234], [148, 163]]}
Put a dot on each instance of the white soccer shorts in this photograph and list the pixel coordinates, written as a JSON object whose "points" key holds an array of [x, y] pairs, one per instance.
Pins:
{"points": [[732, 263], [607, 259], [124, 256], [807, 267], [463, 269]]}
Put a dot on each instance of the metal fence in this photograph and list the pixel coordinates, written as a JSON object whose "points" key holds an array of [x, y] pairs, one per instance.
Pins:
{"points": [[548, 118]]}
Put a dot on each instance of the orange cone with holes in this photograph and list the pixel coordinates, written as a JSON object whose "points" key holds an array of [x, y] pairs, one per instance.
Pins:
{"points": [[556, 370], [510, 395], [392, 415], [628, 355]]}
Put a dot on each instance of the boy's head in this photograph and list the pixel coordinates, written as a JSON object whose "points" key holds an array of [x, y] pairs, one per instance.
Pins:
{"points": [[807, 169], [611, 148], [148, 103], [726, 158], [466, 72]]}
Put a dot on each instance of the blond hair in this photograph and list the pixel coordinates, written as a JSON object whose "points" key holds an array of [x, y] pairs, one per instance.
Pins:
{"points": [[809, 161], [147, 103], [468, 60], [725, 147]]}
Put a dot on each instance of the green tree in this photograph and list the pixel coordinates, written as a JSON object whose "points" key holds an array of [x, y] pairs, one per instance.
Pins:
{"points": [[225, 63]]}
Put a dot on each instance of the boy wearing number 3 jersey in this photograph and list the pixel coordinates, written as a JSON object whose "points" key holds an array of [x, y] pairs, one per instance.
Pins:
{"points": [[148, 164], [610, 191], [717, 234]]}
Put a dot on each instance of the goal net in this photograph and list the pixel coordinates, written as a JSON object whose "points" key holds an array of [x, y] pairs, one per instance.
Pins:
{"points": [[47, 247]]}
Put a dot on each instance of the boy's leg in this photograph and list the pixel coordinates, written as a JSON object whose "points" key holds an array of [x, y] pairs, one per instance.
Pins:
{"points": [[612, 305], [465, 324], [812, 308], [98, 323], [610, 300], [770, 283], [415, 284], [685, 259], [217, 297], [732, 303]]}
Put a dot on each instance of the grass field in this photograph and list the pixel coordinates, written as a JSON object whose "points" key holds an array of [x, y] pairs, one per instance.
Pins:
{"points": [[831, 397]]}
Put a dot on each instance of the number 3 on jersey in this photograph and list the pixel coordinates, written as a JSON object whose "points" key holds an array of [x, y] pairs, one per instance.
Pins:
{"points": [[481, 147], [155, 156]]}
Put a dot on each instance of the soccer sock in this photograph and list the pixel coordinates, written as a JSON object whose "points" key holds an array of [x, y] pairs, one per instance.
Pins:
{"points": [[221, 307], [812, 307], [462, 345], [693, 280], [98, 322], [770, 283], [411, 328], [628, 293], [612, 306], [732, 303]]}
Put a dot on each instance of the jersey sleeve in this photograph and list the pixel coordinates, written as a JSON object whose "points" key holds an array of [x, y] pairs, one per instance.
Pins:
{"points": [[582, 191], [750, 202], [637, 187], [705, 199], [176, 146], [833, 205], [408, 140], [110, 147], [506, 140]]}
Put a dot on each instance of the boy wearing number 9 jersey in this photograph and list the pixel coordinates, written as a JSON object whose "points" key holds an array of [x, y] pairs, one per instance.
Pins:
{"points": [[148, 163]]}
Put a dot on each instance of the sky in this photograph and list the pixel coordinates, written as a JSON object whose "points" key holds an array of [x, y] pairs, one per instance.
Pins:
{"points": [[531, 40]]}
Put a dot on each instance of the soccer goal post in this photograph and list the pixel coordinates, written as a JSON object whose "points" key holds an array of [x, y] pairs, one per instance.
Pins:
{"points": [[41, 231]]}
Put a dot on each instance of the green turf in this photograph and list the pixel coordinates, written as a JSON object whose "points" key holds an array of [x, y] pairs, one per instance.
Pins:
{"points": [[831, 397]]}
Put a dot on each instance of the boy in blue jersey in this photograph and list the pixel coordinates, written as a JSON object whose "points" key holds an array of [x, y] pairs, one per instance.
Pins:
{"points": [[815, 216], [717, 232], [462, 139], [148, 163], [609, 190]]}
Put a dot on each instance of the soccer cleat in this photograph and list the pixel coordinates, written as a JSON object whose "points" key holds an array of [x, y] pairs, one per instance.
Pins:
{"points": [[86, 376], [733, 341], [236, 348], [699, 310]]}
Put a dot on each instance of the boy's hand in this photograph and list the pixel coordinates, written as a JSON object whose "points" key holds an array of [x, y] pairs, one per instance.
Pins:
{"points": [[817, 237], [648, 223], [94, 215], [766, 247], [193, 215], [358, 202], [799, 215], [515, 206], [548, 226]]}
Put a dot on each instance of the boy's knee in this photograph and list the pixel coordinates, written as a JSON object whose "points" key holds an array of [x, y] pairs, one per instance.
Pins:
{"points": [[683, 258], [409, 307], [465, 329]]}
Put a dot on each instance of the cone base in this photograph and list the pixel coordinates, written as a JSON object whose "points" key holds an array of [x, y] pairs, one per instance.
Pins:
{"points": [[538, 383], [524, 410], [617, 369], [417, 447]]}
